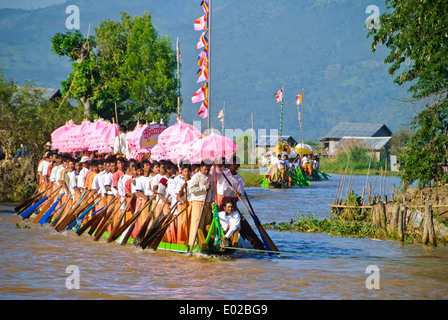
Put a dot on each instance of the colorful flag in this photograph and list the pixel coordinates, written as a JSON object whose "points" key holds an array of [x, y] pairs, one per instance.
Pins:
{"points": [[178, 51], [203, 41], [205, 5], [203, 59], [279, 95], [203, 110], [221, 114], [201, 94], [203, 74], [201, 23], [299, 98]]}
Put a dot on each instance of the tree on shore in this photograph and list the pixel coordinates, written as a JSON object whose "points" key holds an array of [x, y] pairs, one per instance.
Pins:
{"points": [[27, 117], [415, 33], [126, 64]]}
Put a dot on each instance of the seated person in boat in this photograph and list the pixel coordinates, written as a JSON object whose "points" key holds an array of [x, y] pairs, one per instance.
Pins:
{"points": [[229, 219]]}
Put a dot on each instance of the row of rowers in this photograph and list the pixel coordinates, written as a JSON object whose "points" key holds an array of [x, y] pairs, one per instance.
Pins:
{"points": [[118, 177]]}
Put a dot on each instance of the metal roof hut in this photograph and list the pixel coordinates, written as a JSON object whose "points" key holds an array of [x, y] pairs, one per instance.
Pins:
{"points": [[373, 136]]}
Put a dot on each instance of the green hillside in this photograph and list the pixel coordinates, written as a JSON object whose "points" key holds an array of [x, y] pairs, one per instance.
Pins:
{"points": [[258, 46]]}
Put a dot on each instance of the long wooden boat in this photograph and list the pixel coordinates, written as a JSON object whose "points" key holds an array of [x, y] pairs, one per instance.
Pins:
{"points": [[81, 218]]}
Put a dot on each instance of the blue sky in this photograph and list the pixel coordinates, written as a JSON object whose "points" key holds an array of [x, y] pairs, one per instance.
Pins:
{"points": [[28, 4]]}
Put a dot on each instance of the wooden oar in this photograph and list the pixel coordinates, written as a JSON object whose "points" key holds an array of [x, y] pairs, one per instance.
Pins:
{"points": [[82, 215], [56, 212], [264, 235], [268, 243], [128, 224], [36, 206], [56, 222], [119, 229], [197, 226], [120, 219], [72, 214], [59, 213], [157, 237], [50, 203], [107, 221], [156, 225], [249, 234], [43, 220], [93, 218], [33, 199], [100, 217], [79, 224], [33, 208], [141, 234]]}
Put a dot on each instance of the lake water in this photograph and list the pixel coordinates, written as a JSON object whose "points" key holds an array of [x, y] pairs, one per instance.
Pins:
{"points": [[33, 261]]}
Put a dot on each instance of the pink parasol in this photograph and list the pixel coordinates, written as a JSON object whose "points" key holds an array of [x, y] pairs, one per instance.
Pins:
{"points": [[58, 136], [108, 135], [133, 138], [179, 133], [158, 153], [213, 147]]}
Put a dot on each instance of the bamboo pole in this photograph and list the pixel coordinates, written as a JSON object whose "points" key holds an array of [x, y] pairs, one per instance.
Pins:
{"points": [[337, 189], [381, 182], [400, 225]]}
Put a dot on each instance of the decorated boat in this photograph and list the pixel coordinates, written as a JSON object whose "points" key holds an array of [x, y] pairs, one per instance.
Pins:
{"points": [[112, 222]]}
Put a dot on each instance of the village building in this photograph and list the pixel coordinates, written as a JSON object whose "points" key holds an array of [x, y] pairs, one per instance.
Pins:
{"points": [[373, 136]]}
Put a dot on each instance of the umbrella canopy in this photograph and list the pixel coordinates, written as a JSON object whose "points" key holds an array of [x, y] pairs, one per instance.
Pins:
{"points": [[133, 138], [158, 153], [179, 133], [213, 147], [60, 136], [302, 148]]}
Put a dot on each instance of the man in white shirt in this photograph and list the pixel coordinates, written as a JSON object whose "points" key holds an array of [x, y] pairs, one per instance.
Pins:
{"points": [[224, 190], [72, 179], [157, 175], [96, 181], [198, 186], [120, 143], [107, 180], [57, 165], [42, 169], [85, 162], [229, 219]]}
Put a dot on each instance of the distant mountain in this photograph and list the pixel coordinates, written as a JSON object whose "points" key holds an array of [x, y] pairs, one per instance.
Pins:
{"points": [[258, 46]]}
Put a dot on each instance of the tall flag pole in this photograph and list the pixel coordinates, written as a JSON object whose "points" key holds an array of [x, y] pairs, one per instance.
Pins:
{"points": [[202, 95], [299, 101], [209, 26], [178, 60], [221, 116], [279, 97]]}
